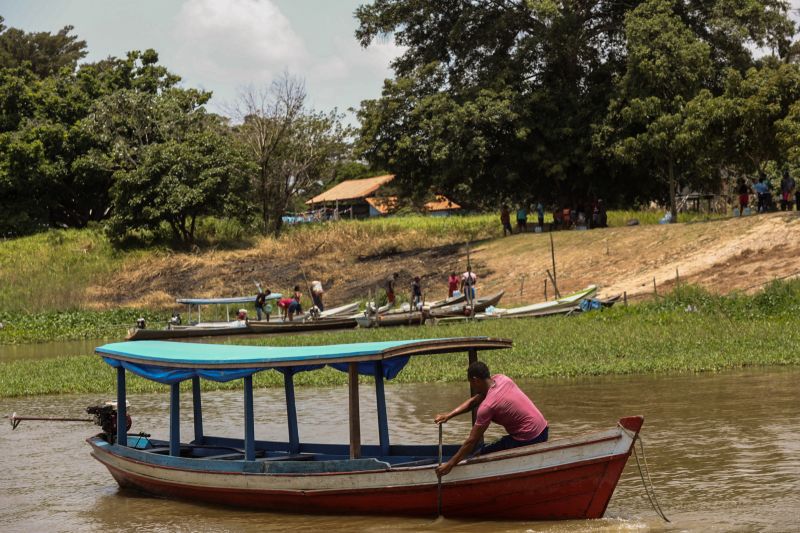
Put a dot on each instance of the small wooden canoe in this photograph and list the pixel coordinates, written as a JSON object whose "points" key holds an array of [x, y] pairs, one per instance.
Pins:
{"points": [[566, 304], [235, 328], [411, 318], [299, 325], [461, 310]]}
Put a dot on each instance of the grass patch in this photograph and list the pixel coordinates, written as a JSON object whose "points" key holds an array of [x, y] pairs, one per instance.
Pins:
{"points": [[21, 328], [687, 331]]}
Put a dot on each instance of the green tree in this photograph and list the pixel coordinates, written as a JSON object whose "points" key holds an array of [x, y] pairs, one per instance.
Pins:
{"points": [[528, 79], [294, 148], [754, 106], [656, 115], [172, 161], [43, 52]]}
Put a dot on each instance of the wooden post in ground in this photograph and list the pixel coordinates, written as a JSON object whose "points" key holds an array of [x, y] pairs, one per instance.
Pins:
{"points": [[655, 290], [625, 298], [677, 277], [553, 257], [555, 286], [355, 416], [545, 289]]}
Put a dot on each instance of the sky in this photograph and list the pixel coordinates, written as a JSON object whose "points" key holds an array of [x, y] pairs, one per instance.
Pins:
{"points": [[225, 46]]}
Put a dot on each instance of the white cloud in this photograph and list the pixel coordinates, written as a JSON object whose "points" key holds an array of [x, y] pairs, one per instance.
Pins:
{"points": [[236, 41]]}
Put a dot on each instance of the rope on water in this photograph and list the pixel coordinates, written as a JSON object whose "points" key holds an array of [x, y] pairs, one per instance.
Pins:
{"points": [[653, 499]]}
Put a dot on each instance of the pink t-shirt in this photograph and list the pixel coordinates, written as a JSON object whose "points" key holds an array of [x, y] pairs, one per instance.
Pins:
{"points": [[507, 405]]}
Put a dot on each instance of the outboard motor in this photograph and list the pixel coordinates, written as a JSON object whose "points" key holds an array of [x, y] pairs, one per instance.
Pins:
{"points": [[140, 323], [314, 312], [105, 416], [175, 320]]}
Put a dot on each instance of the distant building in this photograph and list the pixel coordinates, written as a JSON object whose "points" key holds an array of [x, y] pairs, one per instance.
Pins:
{"points": [[362, 198]]}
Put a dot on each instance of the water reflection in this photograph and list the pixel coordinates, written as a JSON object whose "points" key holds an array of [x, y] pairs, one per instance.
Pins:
{"points": [[723, 450]]}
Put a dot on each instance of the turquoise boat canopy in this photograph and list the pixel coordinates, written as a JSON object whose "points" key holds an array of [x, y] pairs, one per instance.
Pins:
{"points": [[224, 301], [172, 362]]}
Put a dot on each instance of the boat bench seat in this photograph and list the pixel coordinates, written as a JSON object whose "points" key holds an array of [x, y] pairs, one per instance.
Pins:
{"points": [[321, 467]]}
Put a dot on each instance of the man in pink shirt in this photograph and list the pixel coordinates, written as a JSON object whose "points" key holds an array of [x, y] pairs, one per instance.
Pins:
{"points": [[498, 400]]}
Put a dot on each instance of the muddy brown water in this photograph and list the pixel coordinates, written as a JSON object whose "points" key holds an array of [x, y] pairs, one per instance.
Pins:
{"points": [[723, 451]]}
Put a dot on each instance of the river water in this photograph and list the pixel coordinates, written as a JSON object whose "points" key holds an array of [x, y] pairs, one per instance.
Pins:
{"points": [[723, 451]]}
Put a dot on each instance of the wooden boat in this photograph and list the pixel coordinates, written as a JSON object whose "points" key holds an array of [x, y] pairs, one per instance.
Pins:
{"points": [[208, 329], [253, 327], [200, 328], [406, 318], [570, 478], [462, 309], [320, 324], [570, 302], [447, 301]]}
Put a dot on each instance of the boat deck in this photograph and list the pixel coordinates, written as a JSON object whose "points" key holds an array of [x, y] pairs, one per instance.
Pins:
{"points": [[225, 449]]}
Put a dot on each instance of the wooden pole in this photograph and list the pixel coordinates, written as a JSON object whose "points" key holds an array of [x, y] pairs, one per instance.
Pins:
{"points": [[471, 287], [555, 286], [625, 298], [677, 277], [522, 285], [655, 290], [553, 257], [355, 417], [545, 289]]}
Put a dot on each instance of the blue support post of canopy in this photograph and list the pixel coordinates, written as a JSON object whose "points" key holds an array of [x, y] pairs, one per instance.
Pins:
{"points": [[291, 411], [249, 421], [122, 414], [197, 407], [175, 419], [383, 422]]}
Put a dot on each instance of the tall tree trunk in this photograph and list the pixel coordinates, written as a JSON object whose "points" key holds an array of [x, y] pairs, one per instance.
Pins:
{"points": [[673, 202]]}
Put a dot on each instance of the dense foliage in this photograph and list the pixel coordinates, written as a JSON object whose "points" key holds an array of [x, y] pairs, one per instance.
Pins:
{"points": [[120, 141], [565, 100]]}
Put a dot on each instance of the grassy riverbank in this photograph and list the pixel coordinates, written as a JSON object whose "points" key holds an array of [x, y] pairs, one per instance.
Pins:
{"points": [[687, 331], [70, 270], [24, 328]]}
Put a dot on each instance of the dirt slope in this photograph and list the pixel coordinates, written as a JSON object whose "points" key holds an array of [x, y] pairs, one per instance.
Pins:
{"points": [[734, 254]]}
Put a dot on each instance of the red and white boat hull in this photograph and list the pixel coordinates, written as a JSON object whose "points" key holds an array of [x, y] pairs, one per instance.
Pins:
{"points": [[562, 479]]}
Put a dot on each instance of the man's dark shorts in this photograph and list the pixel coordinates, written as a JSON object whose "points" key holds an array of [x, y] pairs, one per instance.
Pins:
{"points": [[508, 442]]}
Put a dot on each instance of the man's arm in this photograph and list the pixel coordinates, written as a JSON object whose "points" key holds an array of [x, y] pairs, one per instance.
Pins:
{"points": [[475, 436], [441, 418]]}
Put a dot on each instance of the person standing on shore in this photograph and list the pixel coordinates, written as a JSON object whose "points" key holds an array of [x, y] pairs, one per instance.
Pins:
{"points": [[316, 294], [452, 284], [468, 280], [522, 219], [787, 191], [540, 215], [505, 220], [261, 301], [744, 196], [388, 286], [416, 293]]}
